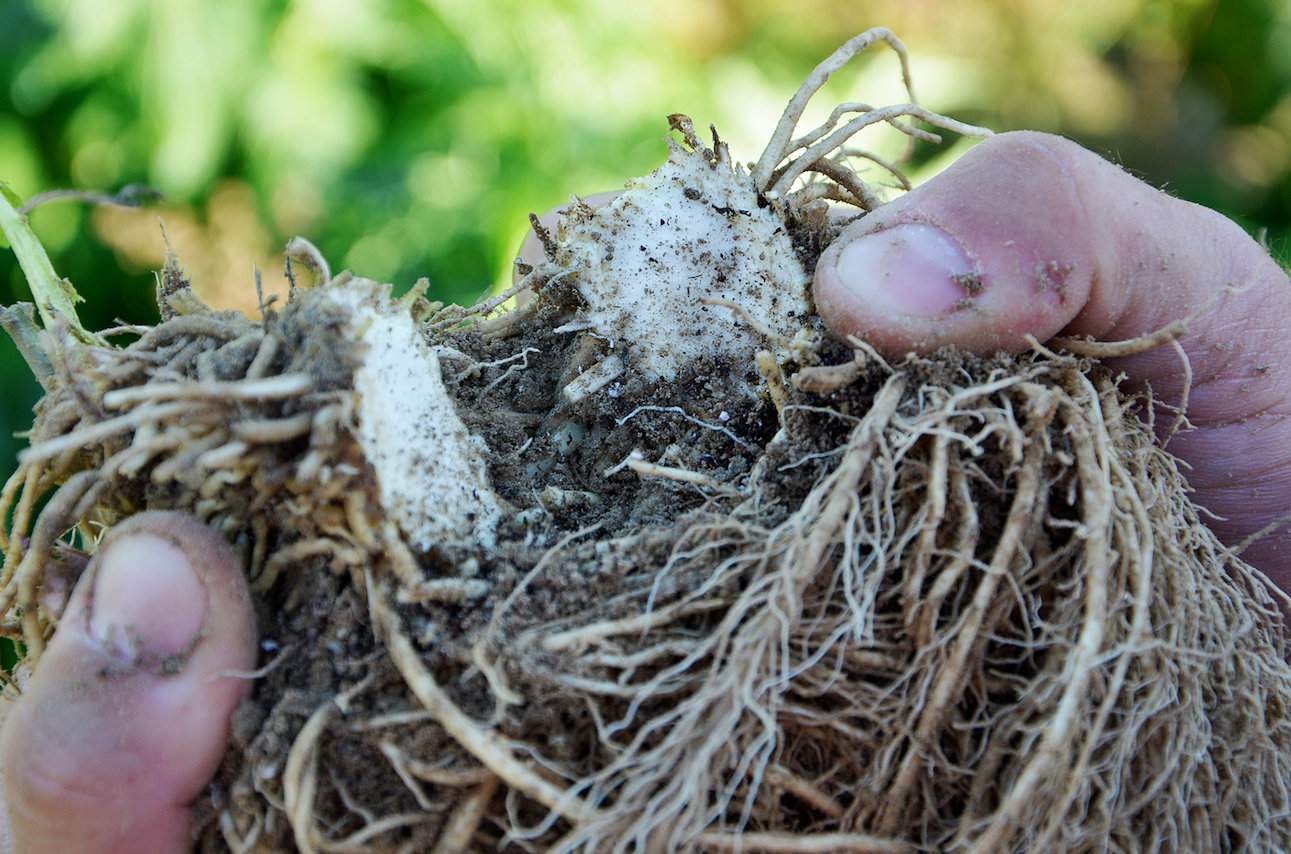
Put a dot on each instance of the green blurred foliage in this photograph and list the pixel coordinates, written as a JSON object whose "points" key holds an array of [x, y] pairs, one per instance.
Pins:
{"points": [[411, 137]]}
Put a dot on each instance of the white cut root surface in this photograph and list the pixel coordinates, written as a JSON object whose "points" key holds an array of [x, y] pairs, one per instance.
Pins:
{"points": [[692, 229], [429, 468]]}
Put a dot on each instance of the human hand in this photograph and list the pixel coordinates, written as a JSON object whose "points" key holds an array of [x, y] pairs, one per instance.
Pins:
{"points": [[1030, 234], [127, 717]]}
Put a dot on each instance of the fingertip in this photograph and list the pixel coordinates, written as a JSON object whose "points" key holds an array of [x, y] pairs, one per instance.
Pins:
{"points": [[903, 287], [992, 251], [126, 717]]}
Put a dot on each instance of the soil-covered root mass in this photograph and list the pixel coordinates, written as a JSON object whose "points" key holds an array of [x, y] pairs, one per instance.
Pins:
{"points": [[948, 603], [536, 581]]}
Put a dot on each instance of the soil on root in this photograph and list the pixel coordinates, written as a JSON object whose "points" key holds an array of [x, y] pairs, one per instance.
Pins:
{"points": [[647, 654]]}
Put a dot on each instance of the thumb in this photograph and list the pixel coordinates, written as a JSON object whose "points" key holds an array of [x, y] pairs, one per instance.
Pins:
{"points": [[127, 716], [1030, 234]]}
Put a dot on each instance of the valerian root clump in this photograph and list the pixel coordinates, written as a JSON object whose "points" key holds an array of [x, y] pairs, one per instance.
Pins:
{"points": [[651, 563]]}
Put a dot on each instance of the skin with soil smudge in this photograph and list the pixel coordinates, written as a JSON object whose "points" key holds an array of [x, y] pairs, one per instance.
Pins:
{"points": [[757, 590]]}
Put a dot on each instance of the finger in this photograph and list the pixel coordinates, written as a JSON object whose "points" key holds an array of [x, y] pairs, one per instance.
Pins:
{"points": [[531, 251], [126, 718], [1032, 234]]}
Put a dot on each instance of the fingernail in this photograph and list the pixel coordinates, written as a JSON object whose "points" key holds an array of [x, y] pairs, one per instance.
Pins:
{"points": [[148, 605], [911, 269]]}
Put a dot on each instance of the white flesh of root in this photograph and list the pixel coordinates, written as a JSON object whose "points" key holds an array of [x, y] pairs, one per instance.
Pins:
{"points": [[430, 469], [701, 230], [691, 229]]}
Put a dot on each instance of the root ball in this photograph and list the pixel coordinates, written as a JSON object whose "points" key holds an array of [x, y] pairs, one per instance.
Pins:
{"points": [[559, 580]]}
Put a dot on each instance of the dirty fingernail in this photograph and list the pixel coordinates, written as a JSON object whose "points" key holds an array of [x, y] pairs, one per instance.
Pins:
{"points": [[910, 269], [148, 604]]}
